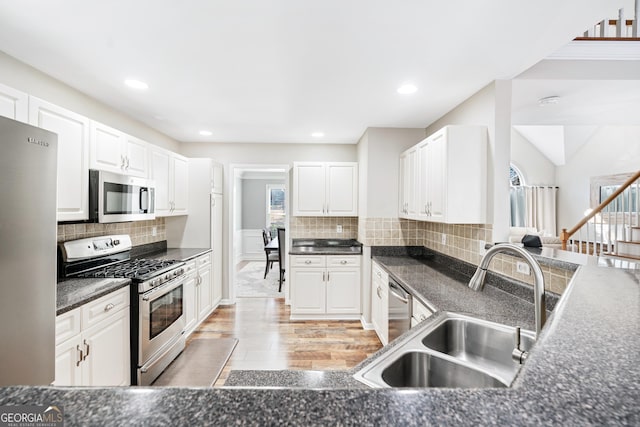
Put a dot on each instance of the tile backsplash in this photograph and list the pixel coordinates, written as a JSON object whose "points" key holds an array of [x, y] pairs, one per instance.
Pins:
{"points": [[141, 232], [465, 242], [323, 227]]}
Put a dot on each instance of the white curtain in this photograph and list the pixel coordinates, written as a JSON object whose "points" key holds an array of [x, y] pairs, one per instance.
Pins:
{"points": [[534, 207]]}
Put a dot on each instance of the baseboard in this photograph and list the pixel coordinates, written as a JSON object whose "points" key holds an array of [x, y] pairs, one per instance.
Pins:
{"points": [[368, 326], [251, 257], [226, 301], [324, 317]]}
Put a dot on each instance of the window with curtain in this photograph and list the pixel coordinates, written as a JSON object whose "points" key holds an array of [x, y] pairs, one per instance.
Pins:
{"points": [[532, 206]]}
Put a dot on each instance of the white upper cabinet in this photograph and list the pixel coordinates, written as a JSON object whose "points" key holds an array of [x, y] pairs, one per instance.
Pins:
{"points": [[117, 152], [14, 104], [170, 172], [325, 189], [408, 183], [73, 156], [451, 178]]}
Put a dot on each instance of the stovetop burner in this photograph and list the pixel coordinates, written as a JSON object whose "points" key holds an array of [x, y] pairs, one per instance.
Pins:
{"points": [[138, 270]]}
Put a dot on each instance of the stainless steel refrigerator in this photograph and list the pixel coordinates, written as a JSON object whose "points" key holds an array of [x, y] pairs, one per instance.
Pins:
{"points": [[28, 166]]}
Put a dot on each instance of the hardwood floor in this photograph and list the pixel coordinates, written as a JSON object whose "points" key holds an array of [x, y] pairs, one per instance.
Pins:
{"points": [[268, 340]]}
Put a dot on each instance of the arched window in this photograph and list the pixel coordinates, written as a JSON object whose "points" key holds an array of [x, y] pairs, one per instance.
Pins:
{"points": [[515, 176]]}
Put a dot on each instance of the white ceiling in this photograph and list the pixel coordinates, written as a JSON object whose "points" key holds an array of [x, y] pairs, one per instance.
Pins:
{"points": [[276, 71]]}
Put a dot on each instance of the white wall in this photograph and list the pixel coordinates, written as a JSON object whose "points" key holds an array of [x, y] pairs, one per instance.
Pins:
{"points": [[20, 76], [254, 202], [611, 150], [535, 166], [379, 151], [491, 107]]}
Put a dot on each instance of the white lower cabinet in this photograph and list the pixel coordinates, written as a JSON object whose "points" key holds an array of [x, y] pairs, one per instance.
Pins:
{"points": [[92, 343], [198, 296], [325, 286], [380, 302]]}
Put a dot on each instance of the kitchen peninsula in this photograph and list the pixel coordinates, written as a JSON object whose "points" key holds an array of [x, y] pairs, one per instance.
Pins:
{"points": [[567, 380]]}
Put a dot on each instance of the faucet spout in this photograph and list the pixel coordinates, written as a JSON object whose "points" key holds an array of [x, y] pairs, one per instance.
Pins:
{"points": [[477, 281]]}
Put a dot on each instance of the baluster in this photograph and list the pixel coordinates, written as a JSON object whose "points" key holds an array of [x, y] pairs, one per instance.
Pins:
{"points": [[580, 241], [609, 246], [615, 220], [621, 24]]}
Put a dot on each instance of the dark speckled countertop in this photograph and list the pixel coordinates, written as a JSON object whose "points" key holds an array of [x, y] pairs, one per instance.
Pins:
{"points": [[584, 370]]}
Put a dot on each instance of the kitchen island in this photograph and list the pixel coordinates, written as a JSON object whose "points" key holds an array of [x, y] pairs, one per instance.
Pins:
{"points": [[583, 371]]}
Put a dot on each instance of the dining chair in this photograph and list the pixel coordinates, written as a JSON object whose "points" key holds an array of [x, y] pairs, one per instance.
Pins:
{"points": [[281, 256], [269, 253]]}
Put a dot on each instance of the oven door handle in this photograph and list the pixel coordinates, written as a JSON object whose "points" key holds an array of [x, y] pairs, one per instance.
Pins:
{"points": [[166, 287]]}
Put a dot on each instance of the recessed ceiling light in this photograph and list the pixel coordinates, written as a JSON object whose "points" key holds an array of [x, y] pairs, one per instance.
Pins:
{"points": [[548, 100], [136, 84], [317, 134], [206, 133], [407, 89]]}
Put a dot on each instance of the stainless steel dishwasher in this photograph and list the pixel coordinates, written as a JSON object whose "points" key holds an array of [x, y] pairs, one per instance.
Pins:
{"points": [[399, 310]]}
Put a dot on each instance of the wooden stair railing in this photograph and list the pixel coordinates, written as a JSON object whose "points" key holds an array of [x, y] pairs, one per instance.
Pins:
{"points": [[590, 246]]}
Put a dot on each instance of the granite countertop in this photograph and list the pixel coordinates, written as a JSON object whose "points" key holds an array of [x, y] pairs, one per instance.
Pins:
{"points": [[583, 371], [325, 247], [72, 293], [180, 254]]}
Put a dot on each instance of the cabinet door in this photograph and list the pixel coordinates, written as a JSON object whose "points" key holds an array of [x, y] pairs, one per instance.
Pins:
{"points": [[408, 169], [136, 153], [422, 177], [106, 148], [308, 294], [68, 362], [14, 104], [107, 355], [343, 291], [180, 185], [190, 306], [342, 189], [309, 189], [204, 292], [437, 163], [160, 165], [216, 247], [73, 156]]}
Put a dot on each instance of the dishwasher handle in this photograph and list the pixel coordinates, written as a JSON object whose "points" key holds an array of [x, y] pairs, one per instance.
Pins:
{"points": [[398, 292]]}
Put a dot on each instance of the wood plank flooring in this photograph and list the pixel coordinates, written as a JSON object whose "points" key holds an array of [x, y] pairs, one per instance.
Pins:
{"points": [[268, 340]]}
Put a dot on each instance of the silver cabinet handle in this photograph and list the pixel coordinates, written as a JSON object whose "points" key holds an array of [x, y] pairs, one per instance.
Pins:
{"points": [[328, 276], [80, 355], [109, 307], [127, 162], [87, 347], [378, 292], [324, 276], [308, 261], [121, 161], [343, 262]]}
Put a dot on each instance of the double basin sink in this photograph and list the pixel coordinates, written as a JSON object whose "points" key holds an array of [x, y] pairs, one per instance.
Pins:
{"points": [[455, 351]]}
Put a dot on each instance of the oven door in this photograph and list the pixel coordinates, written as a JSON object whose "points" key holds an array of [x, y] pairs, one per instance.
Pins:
{"points": [[124, 198], [161, 318]]}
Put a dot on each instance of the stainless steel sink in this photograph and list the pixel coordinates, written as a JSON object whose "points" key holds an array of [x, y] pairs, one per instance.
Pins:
{"points": [[421, 369], [483, 344], [453, 351]]}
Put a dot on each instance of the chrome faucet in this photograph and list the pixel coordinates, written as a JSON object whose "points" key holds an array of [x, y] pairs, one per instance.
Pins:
{"points": [[477, 281]]}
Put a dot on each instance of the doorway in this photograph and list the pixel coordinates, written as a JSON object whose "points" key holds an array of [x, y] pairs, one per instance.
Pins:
{"points": [[259, 204]]}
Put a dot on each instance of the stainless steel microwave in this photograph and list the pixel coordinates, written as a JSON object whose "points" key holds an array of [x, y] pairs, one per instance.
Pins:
{"points": [[120, 198]]}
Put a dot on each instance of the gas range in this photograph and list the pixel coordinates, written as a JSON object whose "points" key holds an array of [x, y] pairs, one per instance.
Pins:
{"points": [[157, 308], [109, 256]]}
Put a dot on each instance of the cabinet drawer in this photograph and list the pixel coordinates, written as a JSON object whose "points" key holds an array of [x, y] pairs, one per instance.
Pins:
{"points": [[377, 273], [103, 307], [203, 260], [67, 325], [343, 261], [420, 312], [309, 261], [190, 268]]}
